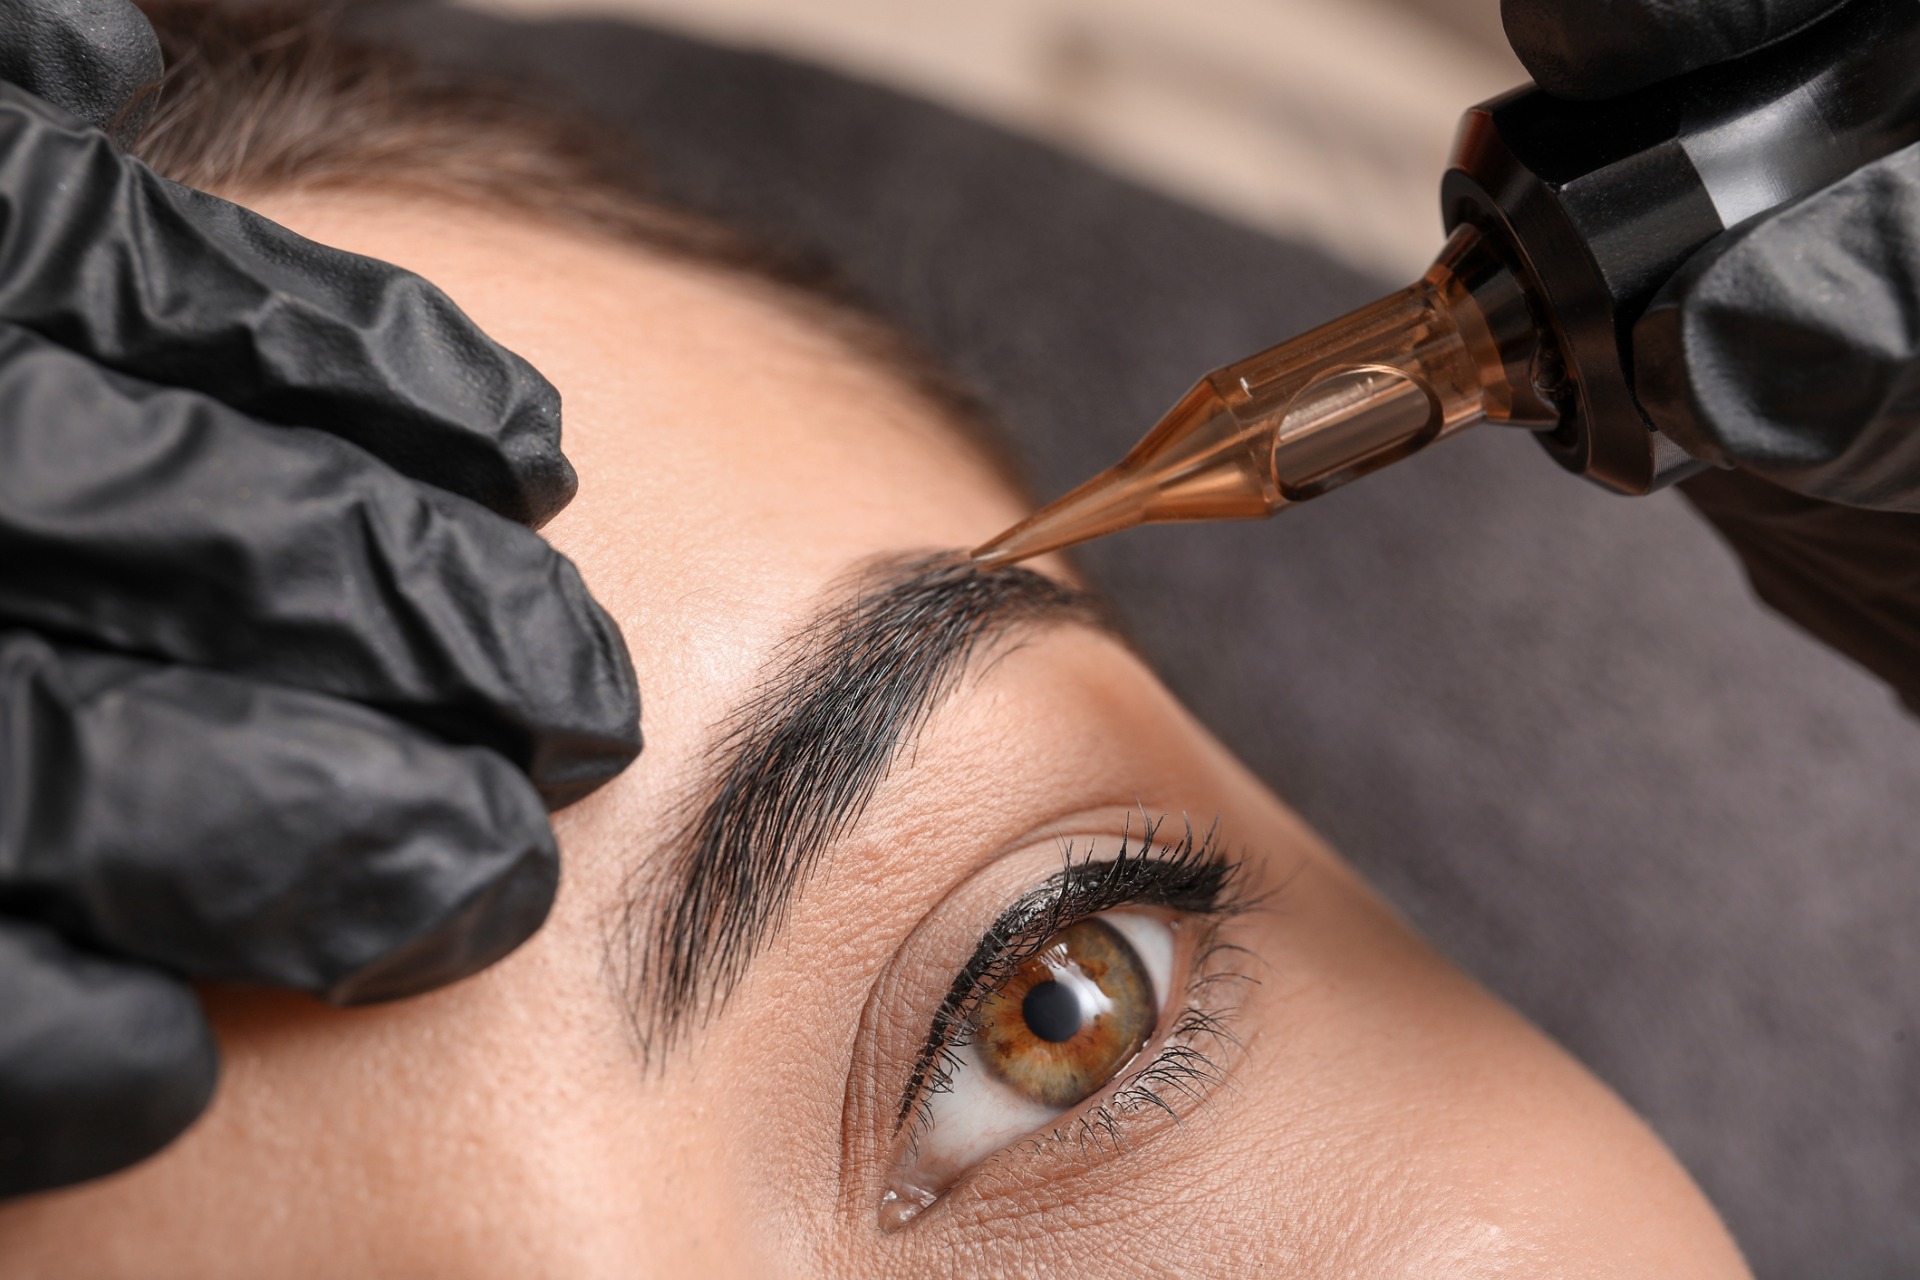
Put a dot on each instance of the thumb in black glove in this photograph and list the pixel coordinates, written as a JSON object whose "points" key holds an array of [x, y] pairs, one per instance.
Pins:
{"points": [[285, 690]]}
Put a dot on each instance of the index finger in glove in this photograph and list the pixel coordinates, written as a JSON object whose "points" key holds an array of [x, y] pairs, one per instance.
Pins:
{"points": [[1790, 346], [154, 521], [234, 831], [102, 1063], [176, 286], [1602, 48]]}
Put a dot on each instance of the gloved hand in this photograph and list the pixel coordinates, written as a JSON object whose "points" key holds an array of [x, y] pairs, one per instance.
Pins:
{"points": [[1787, 350], [286, 689]]}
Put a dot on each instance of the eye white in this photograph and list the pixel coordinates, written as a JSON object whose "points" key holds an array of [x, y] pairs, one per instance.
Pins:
{"points": [[1151, 938], [977, 1113]]}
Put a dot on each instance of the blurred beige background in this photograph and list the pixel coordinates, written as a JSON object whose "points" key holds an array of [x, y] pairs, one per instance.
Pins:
{"points": [[1327, 120]]}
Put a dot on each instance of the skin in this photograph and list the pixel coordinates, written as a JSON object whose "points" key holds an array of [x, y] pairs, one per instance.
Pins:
{"points": [[1385, 1116]]}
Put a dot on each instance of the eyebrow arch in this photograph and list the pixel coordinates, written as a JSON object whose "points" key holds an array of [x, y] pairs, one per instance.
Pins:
{"points": [[796, 764]]}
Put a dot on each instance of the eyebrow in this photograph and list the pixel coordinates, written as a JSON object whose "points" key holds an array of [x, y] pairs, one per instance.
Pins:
{"points": [[795, 765]]}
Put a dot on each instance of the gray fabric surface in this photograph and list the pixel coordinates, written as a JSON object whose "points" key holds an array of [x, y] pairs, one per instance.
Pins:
{"points": [[1549, 724]]}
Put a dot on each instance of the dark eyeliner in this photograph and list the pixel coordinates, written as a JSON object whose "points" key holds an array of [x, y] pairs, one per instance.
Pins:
{"points": [[1192, 875]]}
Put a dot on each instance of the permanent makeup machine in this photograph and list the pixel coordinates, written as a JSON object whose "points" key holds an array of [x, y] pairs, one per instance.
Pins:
{"points": [[1565, 218]]}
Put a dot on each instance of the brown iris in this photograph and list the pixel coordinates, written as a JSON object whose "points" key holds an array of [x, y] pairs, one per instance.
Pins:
{"points": [[1070, 1018]]}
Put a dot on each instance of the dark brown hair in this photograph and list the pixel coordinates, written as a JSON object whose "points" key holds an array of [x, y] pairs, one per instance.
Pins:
{"points": [[273, 96]]}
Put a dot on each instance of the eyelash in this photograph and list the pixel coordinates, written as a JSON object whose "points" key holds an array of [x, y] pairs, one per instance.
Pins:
{"points": [[1193, 876]]}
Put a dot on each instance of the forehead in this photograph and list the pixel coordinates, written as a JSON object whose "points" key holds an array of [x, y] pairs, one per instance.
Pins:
{"points": [[735, 455]]}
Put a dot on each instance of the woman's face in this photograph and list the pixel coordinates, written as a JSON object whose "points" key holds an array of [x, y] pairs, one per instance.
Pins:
{"points": [[1005, 980]]}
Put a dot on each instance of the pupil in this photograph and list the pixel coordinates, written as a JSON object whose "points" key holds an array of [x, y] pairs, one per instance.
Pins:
{"points": [[1052, 1012]]}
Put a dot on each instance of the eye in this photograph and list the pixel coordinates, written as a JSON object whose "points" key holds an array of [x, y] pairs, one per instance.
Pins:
{"points": [[1096, 1004], [1067, 1022]]}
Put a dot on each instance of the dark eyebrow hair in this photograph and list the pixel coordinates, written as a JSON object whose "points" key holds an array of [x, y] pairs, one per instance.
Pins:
{"points": [[797, 763]]}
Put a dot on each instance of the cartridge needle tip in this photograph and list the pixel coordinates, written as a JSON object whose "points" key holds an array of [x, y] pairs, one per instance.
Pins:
{"points": [[1001, 551], [1104, 504]]}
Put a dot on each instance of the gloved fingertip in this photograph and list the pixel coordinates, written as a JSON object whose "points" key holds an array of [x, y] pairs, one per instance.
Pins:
{"points": [[567, 771], [102, 1063], [493, 921], [545, 481], [90, 58], [600, 735]]}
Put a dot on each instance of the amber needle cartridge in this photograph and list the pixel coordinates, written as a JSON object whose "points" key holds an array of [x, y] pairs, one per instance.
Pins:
{"points": [[1455, 348], [1569, 217]]}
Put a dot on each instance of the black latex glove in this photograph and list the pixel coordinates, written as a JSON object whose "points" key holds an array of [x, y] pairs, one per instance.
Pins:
{"points": [[286, 687], [1786, 351]]}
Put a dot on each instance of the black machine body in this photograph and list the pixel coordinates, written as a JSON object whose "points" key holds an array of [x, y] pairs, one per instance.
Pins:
{"points": [[1593, 206]]}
